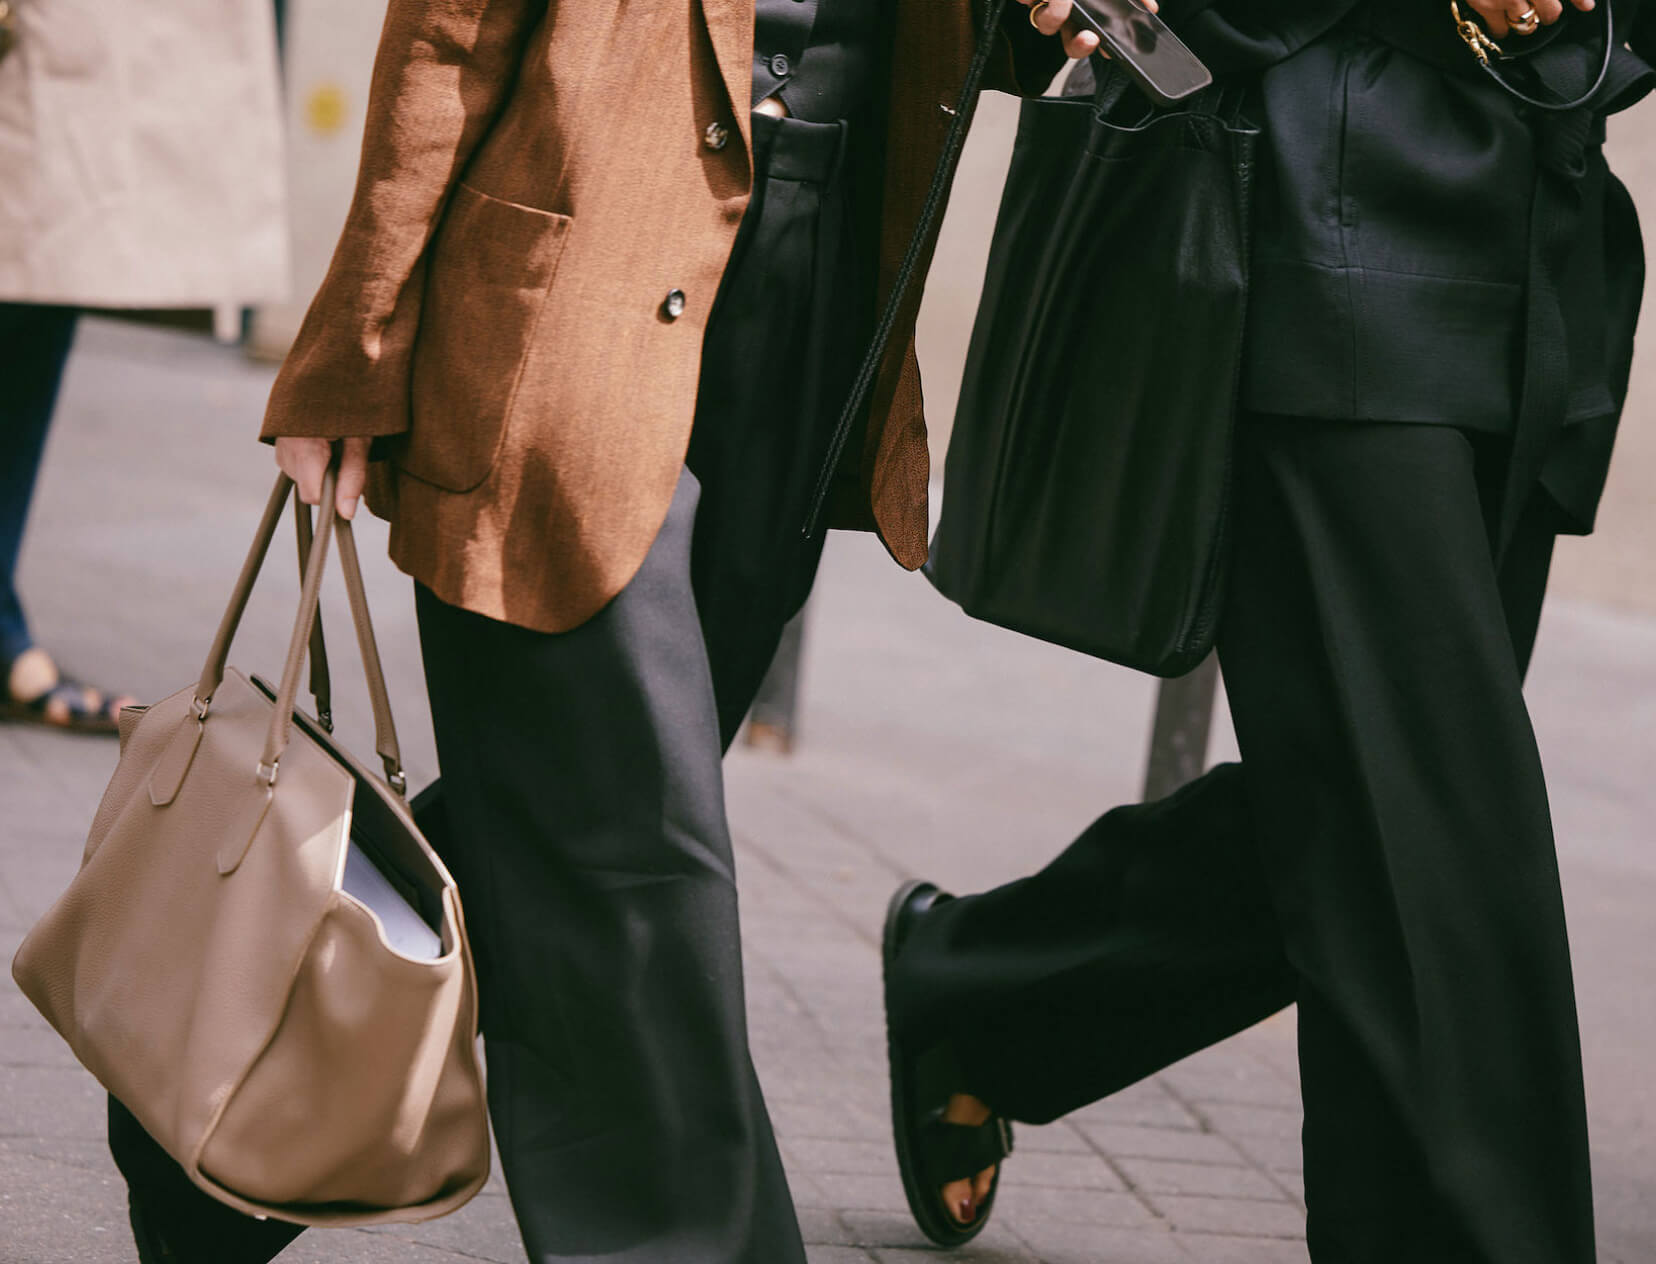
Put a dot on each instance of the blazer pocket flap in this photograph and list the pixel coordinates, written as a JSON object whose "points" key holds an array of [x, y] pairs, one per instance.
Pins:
{"points": [[492, 263]]}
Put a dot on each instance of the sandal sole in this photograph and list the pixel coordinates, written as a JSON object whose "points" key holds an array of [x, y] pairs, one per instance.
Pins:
{"points": [[13, 713], [924, 1203]]}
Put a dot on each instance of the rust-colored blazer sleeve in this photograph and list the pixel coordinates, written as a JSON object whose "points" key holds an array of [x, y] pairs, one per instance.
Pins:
{"points": [[443, 71]]}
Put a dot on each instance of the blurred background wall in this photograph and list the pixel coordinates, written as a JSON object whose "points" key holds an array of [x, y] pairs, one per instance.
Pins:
{"points": [[330, 46], [328, 54]]}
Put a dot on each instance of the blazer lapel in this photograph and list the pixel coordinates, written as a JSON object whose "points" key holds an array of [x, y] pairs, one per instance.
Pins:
{"points": [[730, 27]]}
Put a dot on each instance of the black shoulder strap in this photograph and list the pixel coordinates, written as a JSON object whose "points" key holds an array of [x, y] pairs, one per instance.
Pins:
{"points": [[930, 209], [1491, 58]]}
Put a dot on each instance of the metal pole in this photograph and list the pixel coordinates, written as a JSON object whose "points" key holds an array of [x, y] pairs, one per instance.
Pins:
{"points": [[773, 722], [1179, 736]]}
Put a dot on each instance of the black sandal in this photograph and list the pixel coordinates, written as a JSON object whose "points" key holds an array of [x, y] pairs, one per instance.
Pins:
{"points": [[81, 707], [932, 1152]]}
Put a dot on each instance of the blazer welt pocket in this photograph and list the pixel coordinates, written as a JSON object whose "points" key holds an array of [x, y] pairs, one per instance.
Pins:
{"points": [[491, 265]]}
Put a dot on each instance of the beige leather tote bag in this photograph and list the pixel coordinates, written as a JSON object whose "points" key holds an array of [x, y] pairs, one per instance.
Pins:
{"points": [[223, 961]]}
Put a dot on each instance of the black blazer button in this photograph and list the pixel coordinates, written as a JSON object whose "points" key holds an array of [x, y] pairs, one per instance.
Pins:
{"points": [[780, 66], [672, 307]]}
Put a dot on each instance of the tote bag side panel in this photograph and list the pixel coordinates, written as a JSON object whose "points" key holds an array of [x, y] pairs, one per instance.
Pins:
{"points": [[1106, 521], [1051, 137], [165, 976], [354, 1114]]}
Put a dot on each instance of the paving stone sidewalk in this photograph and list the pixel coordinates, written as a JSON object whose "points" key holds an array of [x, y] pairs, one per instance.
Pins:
{"points": [[931, 746]]}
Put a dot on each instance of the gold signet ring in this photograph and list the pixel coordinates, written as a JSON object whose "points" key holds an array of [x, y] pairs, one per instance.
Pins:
{"points": [[1035, 12], [1526, 22]]}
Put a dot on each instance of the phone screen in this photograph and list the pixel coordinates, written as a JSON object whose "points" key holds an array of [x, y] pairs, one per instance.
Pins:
{"points": [[1155, 57]]}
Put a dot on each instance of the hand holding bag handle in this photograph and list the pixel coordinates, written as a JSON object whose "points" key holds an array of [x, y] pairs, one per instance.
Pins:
{"points": [[210, 966], [306, 627]]}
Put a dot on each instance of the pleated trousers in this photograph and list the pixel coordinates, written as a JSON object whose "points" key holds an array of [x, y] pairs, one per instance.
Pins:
{"points": [[1383, 856]]}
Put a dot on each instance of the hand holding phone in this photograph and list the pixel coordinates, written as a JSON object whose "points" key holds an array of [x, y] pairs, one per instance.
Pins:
{"points": [[1153, 57]]}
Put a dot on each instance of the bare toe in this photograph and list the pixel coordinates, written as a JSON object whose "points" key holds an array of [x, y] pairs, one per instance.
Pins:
{"points": [[964, 1198]]}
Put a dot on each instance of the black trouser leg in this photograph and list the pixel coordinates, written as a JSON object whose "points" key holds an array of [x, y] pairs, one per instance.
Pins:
{"points": [[1404, 827], [1393, 847], [584, 788], [183, 1223], [783, 343], [1150, 937]]}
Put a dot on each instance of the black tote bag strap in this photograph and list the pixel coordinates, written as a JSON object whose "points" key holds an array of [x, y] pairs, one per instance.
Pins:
{"points": [[1491, 57], [930, 209]]}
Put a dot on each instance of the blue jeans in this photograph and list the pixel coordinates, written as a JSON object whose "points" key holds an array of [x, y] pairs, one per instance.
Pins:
{"points": [[34, 344]]}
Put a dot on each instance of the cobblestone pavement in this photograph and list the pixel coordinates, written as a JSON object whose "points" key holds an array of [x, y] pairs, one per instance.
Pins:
{"points": [[931, 746]]}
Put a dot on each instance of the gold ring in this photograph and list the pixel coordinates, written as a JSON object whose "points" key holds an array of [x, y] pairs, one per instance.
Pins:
{"points": [[1526, 22], [1035, 12]]}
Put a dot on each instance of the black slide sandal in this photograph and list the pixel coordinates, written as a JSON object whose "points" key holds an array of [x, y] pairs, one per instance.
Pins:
{"points": [[930, 1151]]}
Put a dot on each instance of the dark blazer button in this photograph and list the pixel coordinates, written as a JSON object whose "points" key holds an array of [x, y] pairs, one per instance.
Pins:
{"points": [[716, 137], [780, 66], [672, 307]]}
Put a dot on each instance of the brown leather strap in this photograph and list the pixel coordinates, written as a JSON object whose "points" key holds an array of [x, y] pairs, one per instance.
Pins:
{"points": [[310, 594], [213, 671], [385, 730], [321, 684], [306, 630]]}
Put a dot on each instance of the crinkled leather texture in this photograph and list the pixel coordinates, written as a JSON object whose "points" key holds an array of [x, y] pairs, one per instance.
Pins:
{"points": [[255, 1022], [1088, 480]]}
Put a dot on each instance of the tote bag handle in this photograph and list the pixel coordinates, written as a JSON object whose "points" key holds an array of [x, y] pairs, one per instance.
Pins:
{"points": [[306, 627], [321, 681]]}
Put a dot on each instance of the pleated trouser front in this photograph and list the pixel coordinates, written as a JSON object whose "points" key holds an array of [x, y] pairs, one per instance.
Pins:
{"points": [[1383, 855]]}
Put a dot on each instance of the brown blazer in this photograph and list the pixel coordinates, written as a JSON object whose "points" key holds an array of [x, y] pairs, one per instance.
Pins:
{"points": [[537, 176]]}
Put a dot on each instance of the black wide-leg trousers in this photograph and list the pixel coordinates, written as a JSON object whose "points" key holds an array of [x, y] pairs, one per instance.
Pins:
{"points": [[1383, 855], [582, 810]]}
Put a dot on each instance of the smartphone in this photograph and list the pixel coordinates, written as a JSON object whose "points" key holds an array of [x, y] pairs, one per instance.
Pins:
{"points": [[1153, 57]]}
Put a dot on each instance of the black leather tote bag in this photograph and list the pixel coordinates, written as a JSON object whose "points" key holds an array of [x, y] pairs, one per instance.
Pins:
{"points": [[1087, 484]]}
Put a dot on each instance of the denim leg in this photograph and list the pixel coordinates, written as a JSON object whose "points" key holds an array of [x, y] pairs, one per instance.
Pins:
{"points": [[34, 344]]}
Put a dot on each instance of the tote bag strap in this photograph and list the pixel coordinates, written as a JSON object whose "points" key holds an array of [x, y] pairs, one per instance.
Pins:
{"points": [[1491, 58], [321, 684], [304, 628]]}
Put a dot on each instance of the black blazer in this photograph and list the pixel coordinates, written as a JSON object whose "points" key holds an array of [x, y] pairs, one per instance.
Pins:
{"points": [[1393, 260]]}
